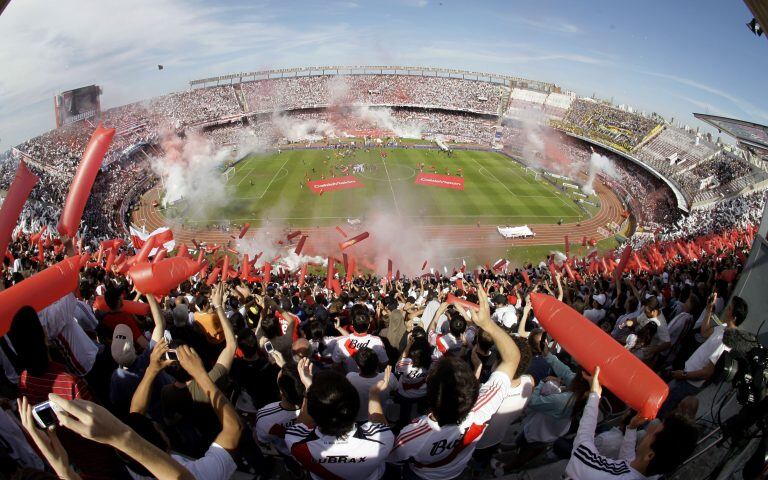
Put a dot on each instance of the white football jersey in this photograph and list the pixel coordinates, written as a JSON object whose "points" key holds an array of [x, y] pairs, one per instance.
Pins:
{"points": [[271, 423], [360, 454], [437, 452], [346, 348]]}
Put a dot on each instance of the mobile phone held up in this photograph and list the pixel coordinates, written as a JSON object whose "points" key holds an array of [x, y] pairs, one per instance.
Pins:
{"points": [[269, 348], [171, 355], [45, 415]]}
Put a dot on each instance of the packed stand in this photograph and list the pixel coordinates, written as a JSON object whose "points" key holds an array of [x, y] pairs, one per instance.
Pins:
{"points": [[606, 124]]}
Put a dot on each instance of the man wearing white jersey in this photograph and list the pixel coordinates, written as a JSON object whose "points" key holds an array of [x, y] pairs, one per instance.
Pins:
{"points": [[437, 446], [346, 347], [326, 441], [662, 449]]}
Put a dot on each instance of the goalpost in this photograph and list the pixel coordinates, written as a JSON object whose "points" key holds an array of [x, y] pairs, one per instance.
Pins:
{"points": [[228, 173]]}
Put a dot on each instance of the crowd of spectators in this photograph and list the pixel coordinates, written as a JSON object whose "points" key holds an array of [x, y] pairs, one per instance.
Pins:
{"points": [[607, 124], [302, 375]]}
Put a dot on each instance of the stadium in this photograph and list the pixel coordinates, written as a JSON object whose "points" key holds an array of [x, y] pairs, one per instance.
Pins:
{"points": [[516, 279]]}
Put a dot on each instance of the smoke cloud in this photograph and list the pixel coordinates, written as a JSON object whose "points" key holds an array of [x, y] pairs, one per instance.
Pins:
{"points": [[598, 164], [189, 172]]}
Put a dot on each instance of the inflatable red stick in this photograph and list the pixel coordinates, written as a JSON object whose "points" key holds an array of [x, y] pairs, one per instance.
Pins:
{"points": [[41, 289], [40, 252], [34, 238], [351, 270], [183, 250], [225, 269], [213, 276], [342, 232], [552, 271], [424, 265], [329, 273], [244, 230], [136, 308], [526, 278], [293, 235], [114, 243], [453, 299], [80, 188], [300, 245], [623, 262], [302, 274], [22, 184], [146, 249], [620, 371], [245, 268], [567, 247], [345, 261], [162, 277], [389, 269], [110, 260], [353, 240], [267, 272], [569, 272], [161, 254]]}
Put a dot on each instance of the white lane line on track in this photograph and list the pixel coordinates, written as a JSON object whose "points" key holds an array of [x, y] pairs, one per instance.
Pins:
{"points": [[494, 177]]}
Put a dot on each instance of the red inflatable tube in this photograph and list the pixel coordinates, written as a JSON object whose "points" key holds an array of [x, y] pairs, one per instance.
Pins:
{"points": [[300, 245], [114, 243], [267, 272], [136, 308], [389, 269], [451, 298], [245, 268], [353, 240], [146, 249], [23, 183], [623, 262], [302, 274], [213, 276], [41, 289], [244, 230], [329, 273], [293, 235], [620, 371], [80, 188], [110, 260], [225, 268], [183, 250], [424, 265], [342, 232], [526, 278], [162, 277], [161, 254], [351, 270]]}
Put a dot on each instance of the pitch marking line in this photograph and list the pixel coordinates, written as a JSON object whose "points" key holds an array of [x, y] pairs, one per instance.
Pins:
{"points": [[394, 197], [494, 177], [405, 216], [249, 171], [282, 167]]}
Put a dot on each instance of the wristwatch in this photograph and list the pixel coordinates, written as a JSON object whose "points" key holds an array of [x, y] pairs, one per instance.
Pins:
{"points": [[685, 374]]}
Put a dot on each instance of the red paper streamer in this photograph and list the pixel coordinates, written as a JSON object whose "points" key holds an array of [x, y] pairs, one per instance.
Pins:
{"points": [[343, 234], [243, 230]]}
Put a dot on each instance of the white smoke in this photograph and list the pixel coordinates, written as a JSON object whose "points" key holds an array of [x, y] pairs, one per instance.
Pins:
{"points": [[597, 164], [295, 130], [293, 262], [189, 172], [382, 118]]}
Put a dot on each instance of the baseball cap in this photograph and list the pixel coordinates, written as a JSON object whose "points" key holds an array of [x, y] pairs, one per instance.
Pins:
{"points": [[123, 351], [600, 298]]}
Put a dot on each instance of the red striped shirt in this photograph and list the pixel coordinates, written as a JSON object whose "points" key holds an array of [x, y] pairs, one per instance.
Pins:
{"points": [[56, 380]]}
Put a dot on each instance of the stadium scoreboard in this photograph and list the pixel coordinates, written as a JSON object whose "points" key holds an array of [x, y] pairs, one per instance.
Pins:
{"points": [[77, 105]]}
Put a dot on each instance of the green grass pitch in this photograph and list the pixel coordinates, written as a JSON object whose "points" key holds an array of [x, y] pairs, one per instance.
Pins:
{"points": [[497, 190]]}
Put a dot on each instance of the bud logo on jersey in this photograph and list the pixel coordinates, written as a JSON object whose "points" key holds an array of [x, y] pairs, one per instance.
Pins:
{"points": [[353, 345], [443, 445], [341, 459]]}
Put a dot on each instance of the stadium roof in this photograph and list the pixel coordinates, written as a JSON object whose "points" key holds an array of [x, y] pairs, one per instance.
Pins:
{"points": [[750, 136], [759, 9]]}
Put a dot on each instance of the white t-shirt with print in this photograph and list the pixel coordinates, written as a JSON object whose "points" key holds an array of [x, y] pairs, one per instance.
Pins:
{"points": [[272, 421], [708, 352], [346, 348]]}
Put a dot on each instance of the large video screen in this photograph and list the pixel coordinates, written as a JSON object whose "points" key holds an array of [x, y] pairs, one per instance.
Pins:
{"points": [[78, 104]]}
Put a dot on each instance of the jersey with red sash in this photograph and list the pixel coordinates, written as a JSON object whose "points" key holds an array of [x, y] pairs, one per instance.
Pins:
{"points": [[412, 381], [271, 423], [434, 452], [444, 344], [360, 454], [346, 348]]}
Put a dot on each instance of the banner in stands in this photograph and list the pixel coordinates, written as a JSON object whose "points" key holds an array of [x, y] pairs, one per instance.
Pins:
{"points": [[443, 181], [320, 186]]}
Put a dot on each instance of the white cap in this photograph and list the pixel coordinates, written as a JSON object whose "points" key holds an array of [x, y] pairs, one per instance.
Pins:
{"points": [[601, 298]]}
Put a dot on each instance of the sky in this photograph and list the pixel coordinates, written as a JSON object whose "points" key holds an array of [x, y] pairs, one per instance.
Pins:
{"points": [[669, 57]]}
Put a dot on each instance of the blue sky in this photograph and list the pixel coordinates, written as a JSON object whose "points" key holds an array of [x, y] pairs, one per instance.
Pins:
{"points": [[672, 57]]}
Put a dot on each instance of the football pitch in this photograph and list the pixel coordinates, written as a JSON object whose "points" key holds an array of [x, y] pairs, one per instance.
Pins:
{"points": [[497, 190]]}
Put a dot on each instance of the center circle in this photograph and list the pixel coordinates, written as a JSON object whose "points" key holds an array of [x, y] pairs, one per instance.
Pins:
{"points": [[379, 173]]}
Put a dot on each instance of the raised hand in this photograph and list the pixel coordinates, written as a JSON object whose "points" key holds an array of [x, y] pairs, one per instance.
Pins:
{"points": [[190, 361], [89, 420], [382, 385]]}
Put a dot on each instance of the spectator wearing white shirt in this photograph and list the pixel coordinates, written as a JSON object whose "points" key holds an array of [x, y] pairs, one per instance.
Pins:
{"points": [[700, 366], [505, 314], [596, 314], [367, 376]]}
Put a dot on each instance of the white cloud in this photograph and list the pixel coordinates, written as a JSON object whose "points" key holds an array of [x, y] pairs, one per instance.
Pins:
{"points": [[48, 47], [549, 25], [743, 105]]}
